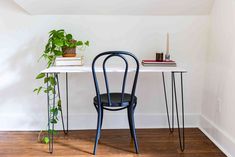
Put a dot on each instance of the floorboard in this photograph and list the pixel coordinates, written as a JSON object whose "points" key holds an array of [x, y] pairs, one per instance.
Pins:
{"points": [[115, 143]]}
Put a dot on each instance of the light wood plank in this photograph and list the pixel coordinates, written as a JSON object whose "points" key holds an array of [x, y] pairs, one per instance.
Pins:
{"points": [[115, 143]]}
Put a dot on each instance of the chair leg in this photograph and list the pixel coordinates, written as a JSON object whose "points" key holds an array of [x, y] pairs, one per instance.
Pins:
{"points": [[102, 115], [99, 121], [133, 128], [130, 122]]}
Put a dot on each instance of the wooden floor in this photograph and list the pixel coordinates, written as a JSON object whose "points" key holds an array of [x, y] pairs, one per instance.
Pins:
{"points": [[152, 143]]}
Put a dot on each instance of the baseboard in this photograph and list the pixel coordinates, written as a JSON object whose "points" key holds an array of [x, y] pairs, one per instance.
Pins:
{"points": [[88, 121], [119, 121], [220, 138]]}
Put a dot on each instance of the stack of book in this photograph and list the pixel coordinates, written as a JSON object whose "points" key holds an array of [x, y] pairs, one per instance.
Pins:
{"points": [[163, 63], [69, 61]]}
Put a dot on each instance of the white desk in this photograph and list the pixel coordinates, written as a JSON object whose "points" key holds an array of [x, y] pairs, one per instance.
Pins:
{"points": [[143, 69], [87, 68]]}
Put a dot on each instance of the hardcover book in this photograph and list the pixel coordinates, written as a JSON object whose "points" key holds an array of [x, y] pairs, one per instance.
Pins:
{"points": [[165, 63], [68, 61]]}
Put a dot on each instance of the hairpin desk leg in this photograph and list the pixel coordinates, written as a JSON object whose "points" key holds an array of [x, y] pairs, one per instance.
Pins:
{"points": [[61, 110], [53, 124], [171, 125], [67, 102], [180, 131], [50, 128], [48, 120]]}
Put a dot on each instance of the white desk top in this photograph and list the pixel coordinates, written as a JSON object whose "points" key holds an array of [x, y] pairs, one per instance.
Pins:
{"points": [[86, 68]]}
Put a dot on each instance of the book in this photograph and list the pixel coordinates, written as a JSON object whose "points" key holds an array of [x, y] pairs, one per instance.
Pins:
{"points": [[68, 58], [68, 61], [164, 63]]}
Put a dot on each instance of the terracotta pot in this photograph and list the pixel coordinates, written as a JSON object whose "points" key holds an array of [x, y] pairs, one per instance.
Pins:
{"points": [[69, 52]]}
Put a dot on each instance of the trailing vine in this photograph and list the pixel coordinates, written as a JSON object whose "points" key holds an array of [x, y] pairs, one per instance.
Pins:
{"points": [[58, 40]]}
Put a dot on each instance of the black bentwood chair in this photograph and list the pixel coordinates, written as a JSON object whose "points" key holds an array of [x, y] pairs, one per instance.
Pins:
{"points": [[115, 101]]}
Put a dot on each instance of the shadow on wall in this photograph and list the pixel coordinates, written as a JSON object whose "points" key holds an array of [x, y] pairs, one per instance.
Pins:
{"points": [[18, 76]]}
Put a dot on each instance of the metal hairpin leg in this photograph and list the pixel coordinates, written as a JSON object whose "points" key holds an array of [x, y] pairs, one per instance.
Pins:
{"points": [[53, 125], [181, 132], [48, 120], [51, 128], [67, 102], [61, 112], [171, 124], [174, 98]]}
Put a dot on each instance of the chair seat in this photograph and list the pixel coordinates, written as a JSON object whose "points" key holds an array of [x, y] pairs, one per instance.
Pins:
{"points": [[116, 100]]}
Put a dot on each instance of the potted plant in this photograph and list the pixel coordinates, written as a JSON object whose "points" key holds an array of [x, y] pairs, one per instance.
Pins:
{"points": [[59, 44]]}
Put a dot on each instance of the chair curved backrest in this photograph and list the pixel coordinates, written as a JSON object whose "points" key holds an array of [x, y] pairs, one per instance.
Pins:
{"points": [[110, 54]]}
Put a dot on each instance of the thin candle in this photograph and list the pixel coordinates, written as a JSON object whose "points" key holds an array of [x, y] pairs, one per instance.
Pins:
{"points": [[167, 55], [167, 44]]}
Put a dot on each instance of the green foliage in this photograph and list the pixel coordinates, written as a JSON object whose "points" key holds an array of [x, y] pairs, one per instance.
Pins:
{"points": [[58, 40], [59, 105], [46, 140], [41, 75], [53, 131]]}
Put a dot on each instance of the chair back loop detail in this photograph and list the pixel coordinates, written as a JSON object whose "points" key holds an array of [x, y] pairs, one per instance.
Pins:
{"points": [[109, 55]]}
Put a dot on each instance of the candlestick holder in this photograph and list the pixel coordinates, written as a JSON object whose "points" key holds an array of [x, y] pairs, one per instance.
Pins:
{"points": [[167, 56], [159, 56]]}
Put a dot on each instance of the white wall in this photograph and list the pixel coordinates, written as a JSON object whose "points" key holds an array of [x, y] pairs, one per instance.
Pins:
{"points": [[218, 105], [22, 39]]}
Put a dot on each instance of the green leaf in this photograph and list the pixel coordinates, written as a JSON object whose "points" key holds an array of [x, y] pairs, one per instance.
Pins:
{"points": [[87, 43], [72, 45], [46, 140], [47, 47], [79, 43], [53, 91], [39, 89], [60, 30], [41, 75], [60, 34], [54, 111], [51, 33], [52, 81], [69, 37], [49, 64], [47, 50], [35, 90], [53, 121], [50, 88], [66, 43], [46, 79], [58, 42], [59, 104], [58, 53], [51, 57]]}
